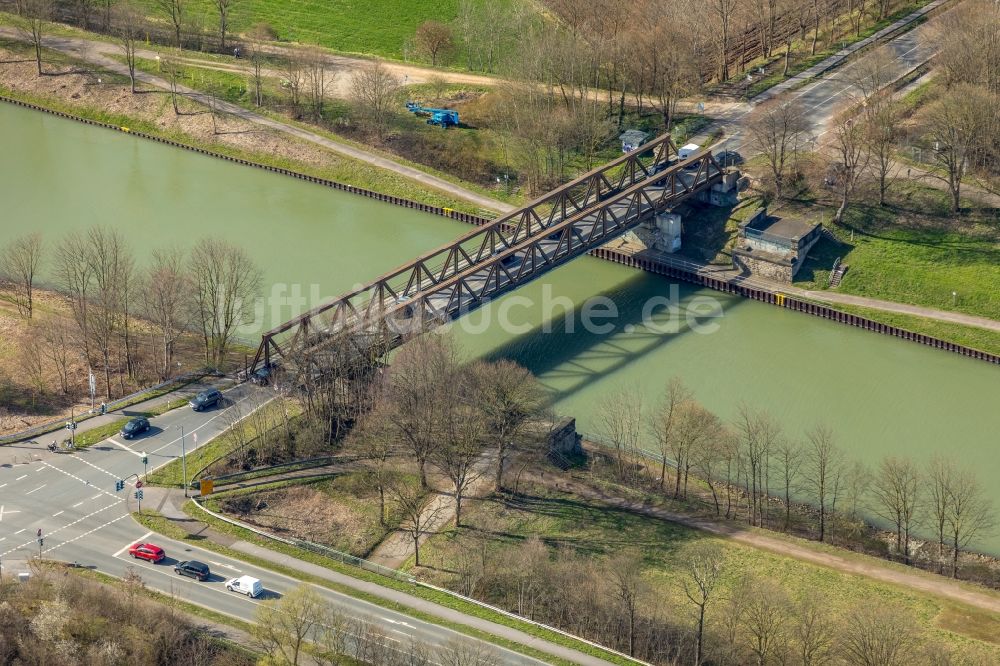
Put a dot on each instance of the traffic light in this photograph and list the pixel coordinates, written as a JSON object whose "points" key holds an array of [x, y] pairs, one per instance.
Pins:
{"points": [[119, 485], [145, 460], [138, 495]]}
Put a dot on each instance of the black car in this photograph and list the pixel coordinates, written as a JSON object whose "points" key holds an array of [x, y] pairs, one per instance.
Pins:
{"points": [[137, 425], [192, 568], [206, 399], [262, 377]]}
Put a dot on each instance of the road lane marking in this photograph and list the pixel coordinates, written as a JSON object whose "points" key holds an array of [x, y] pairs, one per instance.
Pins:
{"points": [[99, 469], [88, 533], [122, 446], [3, 485], [78, 504], [68, 525], [2, 511], [36, 489], [129, 544], [83, 481], [19, 531], [21, 477], [58, 513]]}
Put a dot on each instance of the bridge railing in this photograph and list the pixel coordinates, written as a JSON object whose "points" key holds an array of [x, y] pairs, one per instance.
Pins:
{"points": [[405, 292]]}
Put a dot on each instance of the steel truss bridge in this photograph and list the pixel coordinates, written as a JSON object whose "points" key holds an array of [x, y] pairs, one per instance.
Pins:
{"points": [[499, 257]]}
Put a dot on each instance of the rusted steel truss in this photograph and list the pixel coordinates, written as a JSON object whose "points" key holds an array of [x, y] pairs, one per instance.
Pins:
{"points": [[489, 261]]}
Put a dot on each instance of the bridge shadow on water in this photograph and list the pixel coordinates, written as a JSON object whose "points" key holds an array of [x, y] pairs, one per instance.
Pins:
{"points": [[561, 351]]}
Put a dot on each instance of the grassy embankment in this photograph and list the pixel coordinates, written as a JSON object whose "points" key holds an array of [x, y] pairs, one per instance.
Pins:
{"points": [[340, 510], [163, 526], [597, 531]]}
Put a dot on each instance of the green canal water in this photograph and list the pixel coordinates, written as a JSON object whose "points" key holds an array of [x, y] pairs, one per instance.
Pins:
{"points": [[880, 395]]}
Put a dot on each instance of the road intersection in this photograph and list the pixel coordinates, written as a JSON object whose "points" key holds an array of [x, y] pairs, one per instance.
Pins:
{"points": [[64, 506]]}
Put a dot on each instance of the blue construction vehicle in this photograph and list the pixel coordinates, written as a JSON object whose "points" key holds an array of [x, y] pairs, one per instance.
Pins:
{"points": [[442, 117]]}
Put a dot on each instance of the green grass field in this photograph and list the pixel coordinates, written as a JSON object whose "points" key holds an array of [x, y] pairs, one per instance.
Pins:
{"points": [[376, 27], [915, 252]]}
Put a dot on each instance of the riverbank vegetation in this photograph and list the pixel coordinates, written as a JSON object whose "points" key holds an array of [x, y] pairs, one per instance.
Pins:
{"points": [[104, 317], [55, 617]]}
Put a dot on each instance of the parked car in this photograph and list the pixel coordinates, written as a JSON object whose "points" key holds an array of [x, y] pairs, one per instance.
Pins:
{"points": [[193, 569], [206, 399], [247, 585], [138, 425], [262, 376], [147, 551]]}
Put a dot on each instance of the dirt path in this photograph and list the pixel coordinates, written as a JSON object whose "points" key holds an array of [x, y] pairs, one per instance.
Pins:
{"points": [[100, 54], [397, 547], [920, 581]]}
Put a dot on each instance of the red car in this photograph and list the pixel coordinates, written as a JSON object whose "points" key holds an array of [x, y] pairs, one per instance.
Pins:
{"points": [[147, 551]]}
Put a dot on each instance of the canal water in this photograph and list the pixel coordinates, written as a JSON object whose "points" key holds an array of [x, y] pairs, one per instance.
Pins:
{"points": [[881, 396]]}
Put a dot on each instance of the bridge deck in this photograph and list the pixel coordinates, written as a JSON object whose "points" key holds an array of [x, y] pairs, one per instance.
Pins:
{"points": [[463, 275]]}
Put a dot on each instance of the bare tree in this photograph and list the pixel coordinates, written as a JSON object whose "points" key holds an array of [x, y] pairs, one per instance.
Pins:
{"points": [[283, 626], [225, 281], [32, 362], [224, 8], [824, 466], [878, 634], [723, 11], [625, 570], [957, 124], [75, 279], [166, 294], [663, 425], [697, 430], [374, 90], [174, 11], [765, 613], [939, 474], [377, 445], [19, 262], [851, 160], [703, 568], [416, 517], [896, 488], [111, 266], [776, 129], [294, 72], [459, 454], [34, 14], [129, 23], [508, 396], [970, 513], [318, 79], [789, 457], [620, 419], [421, 394], [881, 134], [434, 40], [759, 437], [58, 342], [256, 57], [813, 632]]}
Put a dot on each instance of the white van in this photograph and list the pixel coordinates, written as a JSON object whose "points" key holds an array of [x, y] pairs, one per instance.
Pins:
{"points": [[687, 151], [247, 585]]}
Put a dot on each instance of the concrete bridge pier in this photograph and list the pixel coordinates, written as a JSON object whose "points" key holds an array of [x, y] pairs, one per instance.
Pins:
{"points": [[723, 193]]}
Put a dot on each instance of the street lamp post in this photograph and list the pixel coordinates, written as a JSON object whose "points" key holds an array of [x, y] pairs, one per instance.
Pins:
{"points": [[184, 472]]}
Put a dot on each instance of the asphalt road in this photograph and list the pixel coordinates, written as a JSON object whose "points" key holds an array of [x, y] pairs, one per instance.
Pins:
{"points": [[829, 94], [71, 498]]}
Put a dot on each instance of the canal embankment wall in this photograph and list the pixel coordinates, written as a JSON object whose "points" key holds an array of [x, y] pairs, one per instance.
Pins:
{"points": [[648, 264]]}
